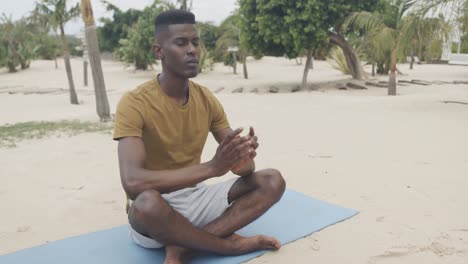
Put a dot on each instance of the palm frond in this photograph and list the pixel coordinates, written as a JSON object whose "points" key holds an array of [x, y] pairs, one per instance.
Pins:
{"points": [[72, 13], [405, 6], [383, 41], [363, 21], [337, 60]]}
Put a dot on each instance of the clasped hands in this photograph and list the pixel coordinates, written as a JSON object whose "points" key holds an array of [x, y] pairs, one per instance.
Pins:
{"points": [[235, 152]]}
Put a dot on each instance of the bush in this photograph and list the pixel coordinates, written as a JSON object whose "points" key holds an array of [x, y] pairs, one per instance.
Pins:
{"points": [[48, 47]]}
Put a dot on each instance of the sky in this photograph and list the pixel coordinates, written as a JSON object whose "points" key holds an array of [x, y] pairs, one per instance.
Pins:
{"points": [[204, 10]]}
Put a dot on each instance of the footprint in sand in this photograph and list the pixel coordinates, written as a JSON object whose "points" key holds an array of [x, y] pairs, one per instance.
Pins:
{"points": [[441, 246], [380, 219], [23, 229], [315, 246]]}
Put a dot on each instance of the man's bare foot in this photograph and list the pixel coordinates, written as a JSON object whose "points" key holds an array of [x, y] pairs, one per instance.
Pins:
{"points": [[254, 243], [177, 255]]}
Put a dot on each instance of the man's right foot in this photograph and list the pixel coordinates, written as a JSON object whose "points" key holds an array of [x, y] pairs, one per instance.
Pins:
{"points": [[249, 244]]}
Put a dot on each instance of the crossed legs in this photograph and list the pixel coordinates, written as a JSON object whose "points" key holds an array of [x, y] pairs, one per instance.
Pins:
{"points": [[251, 196]]}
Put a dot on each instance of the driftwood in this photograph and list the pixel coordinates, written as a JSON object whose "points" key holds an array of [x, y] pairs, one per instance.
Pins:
{"points": [[356, 86], [296, 88], [27, 91], [238, 90], [441, 82], [420, 82], [454, 102], [380, 85], [274, 89], [403, 81], [219, 90], [460, 82], [403, 84], [341, 86]]}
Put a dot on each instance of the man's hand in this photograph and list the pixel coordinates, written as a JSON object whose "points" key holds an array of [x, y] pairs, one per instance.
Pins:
{"points": [[239, 166], [232, 150]]}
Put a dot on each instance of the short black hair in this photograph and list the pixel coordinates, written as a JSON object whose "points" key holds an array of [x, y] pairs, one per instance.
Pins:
{"points": [[172, 17]]}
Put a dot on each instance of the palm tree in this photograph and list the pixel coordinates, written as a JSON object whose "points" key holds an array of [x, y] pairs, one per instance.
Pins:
{"points": [[59, 15], [17, 39], [102, 104], [390, 37], [229, 36], [185, 4], [458, 15], [38, 18], [9, 54], [422, 31]]}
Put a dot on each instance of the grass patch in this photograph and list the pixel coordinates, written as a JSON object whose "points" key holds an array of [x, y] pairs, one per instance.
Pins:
{"points": [[12, 134]]}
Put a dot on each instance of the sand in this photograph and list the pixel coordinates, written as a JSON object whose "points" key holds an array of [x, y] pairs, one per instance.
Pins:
{"points": [[401, 161]]}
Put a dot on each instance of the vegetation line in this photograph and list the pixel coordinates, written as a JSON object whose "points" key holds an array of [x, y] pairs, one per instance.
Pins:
{"points": [[11, 134]]}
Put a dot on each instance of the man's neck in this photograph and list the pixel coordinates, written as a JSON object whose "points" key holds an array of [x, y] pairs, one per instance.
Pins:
{"points": [[175, 87]]}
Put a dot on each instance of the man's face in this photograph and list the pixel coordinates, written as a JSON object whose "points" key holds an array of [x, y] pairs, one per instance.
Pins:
{"points": [[179, 50]]}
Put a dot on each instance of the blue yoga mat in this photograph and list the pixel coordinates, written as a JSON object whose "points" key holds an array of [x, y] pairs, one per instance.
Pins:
{"points": [[292, 218]]}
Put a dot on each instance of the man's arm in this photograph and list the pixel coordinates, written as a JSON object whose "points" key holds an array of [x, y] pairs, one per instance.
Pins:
{"points": [[246, 166], [136, 179]]}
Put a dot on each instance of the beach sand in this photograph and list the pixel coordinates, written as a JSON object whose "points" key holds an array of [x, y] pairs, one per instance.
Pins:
{"points": [[402, 161]]}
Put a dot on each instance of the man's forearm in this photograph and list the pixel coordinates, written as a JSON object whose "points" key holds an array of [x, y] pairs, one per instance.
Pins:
{"points": [[166, 181]]}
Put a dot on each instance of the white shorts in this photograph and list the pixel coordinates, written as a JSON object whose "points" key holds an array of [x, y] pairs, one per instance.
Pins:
{"points": [[200, 205]]}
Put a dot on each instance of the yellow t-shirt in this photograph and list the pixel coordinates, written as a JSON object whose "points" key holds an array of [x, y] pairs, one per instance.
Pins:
{"points": [[174, 135]]}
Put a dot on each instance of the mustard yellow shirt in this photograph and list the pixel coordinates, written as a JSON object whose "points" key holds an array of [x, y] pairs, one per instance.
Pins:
{"points": [[174, 135]]}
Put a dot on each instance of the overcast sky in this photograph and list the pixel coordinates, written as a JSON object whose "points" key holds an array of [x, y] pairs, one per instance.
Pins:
{"points": [[205, 10]]}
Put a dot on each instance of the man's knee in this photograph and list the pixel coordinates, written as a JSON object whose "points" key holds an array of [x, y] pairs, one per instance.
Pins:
{"points": [[147, 206], [272, 182]]}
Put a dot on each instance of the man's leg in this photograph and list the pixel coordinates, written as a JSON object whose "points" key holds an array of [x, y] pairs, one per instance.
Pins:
{"points": [[252, 196], [151, 215]]}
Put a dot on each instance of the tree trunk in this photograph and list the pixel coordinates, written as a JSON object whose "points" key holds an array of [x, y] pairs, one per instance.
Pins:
{"points": [[412, 58], [392, 83], [85, 73], [306, 69], [420, 52], [234, 66], [66, 57], [185, 5], [246, 74], [311, 63], [459, 45], [16, 58], [58, 41], [352, 59], [141, 65], [102, 103], [11, 67], [24, 65], [373, 68]]}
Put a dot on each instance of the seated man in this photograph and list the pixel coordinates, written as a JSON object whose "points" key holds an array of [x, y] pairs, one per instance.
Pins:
{"points": [[161, 128]]}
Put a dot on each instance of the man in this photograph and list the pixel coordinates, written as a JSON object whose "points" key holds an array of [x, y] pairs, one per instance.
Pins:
{"points": [[161, 128]]}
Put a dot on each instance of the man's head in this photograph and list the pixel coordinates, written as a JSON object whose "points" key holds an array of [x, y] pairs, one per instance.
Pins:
{"points": [[177, 43]]}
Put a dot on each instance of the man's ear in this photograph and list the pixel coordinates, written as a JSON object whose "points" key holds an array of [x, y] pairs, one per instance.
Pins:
{"points": [[157, 50]]}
